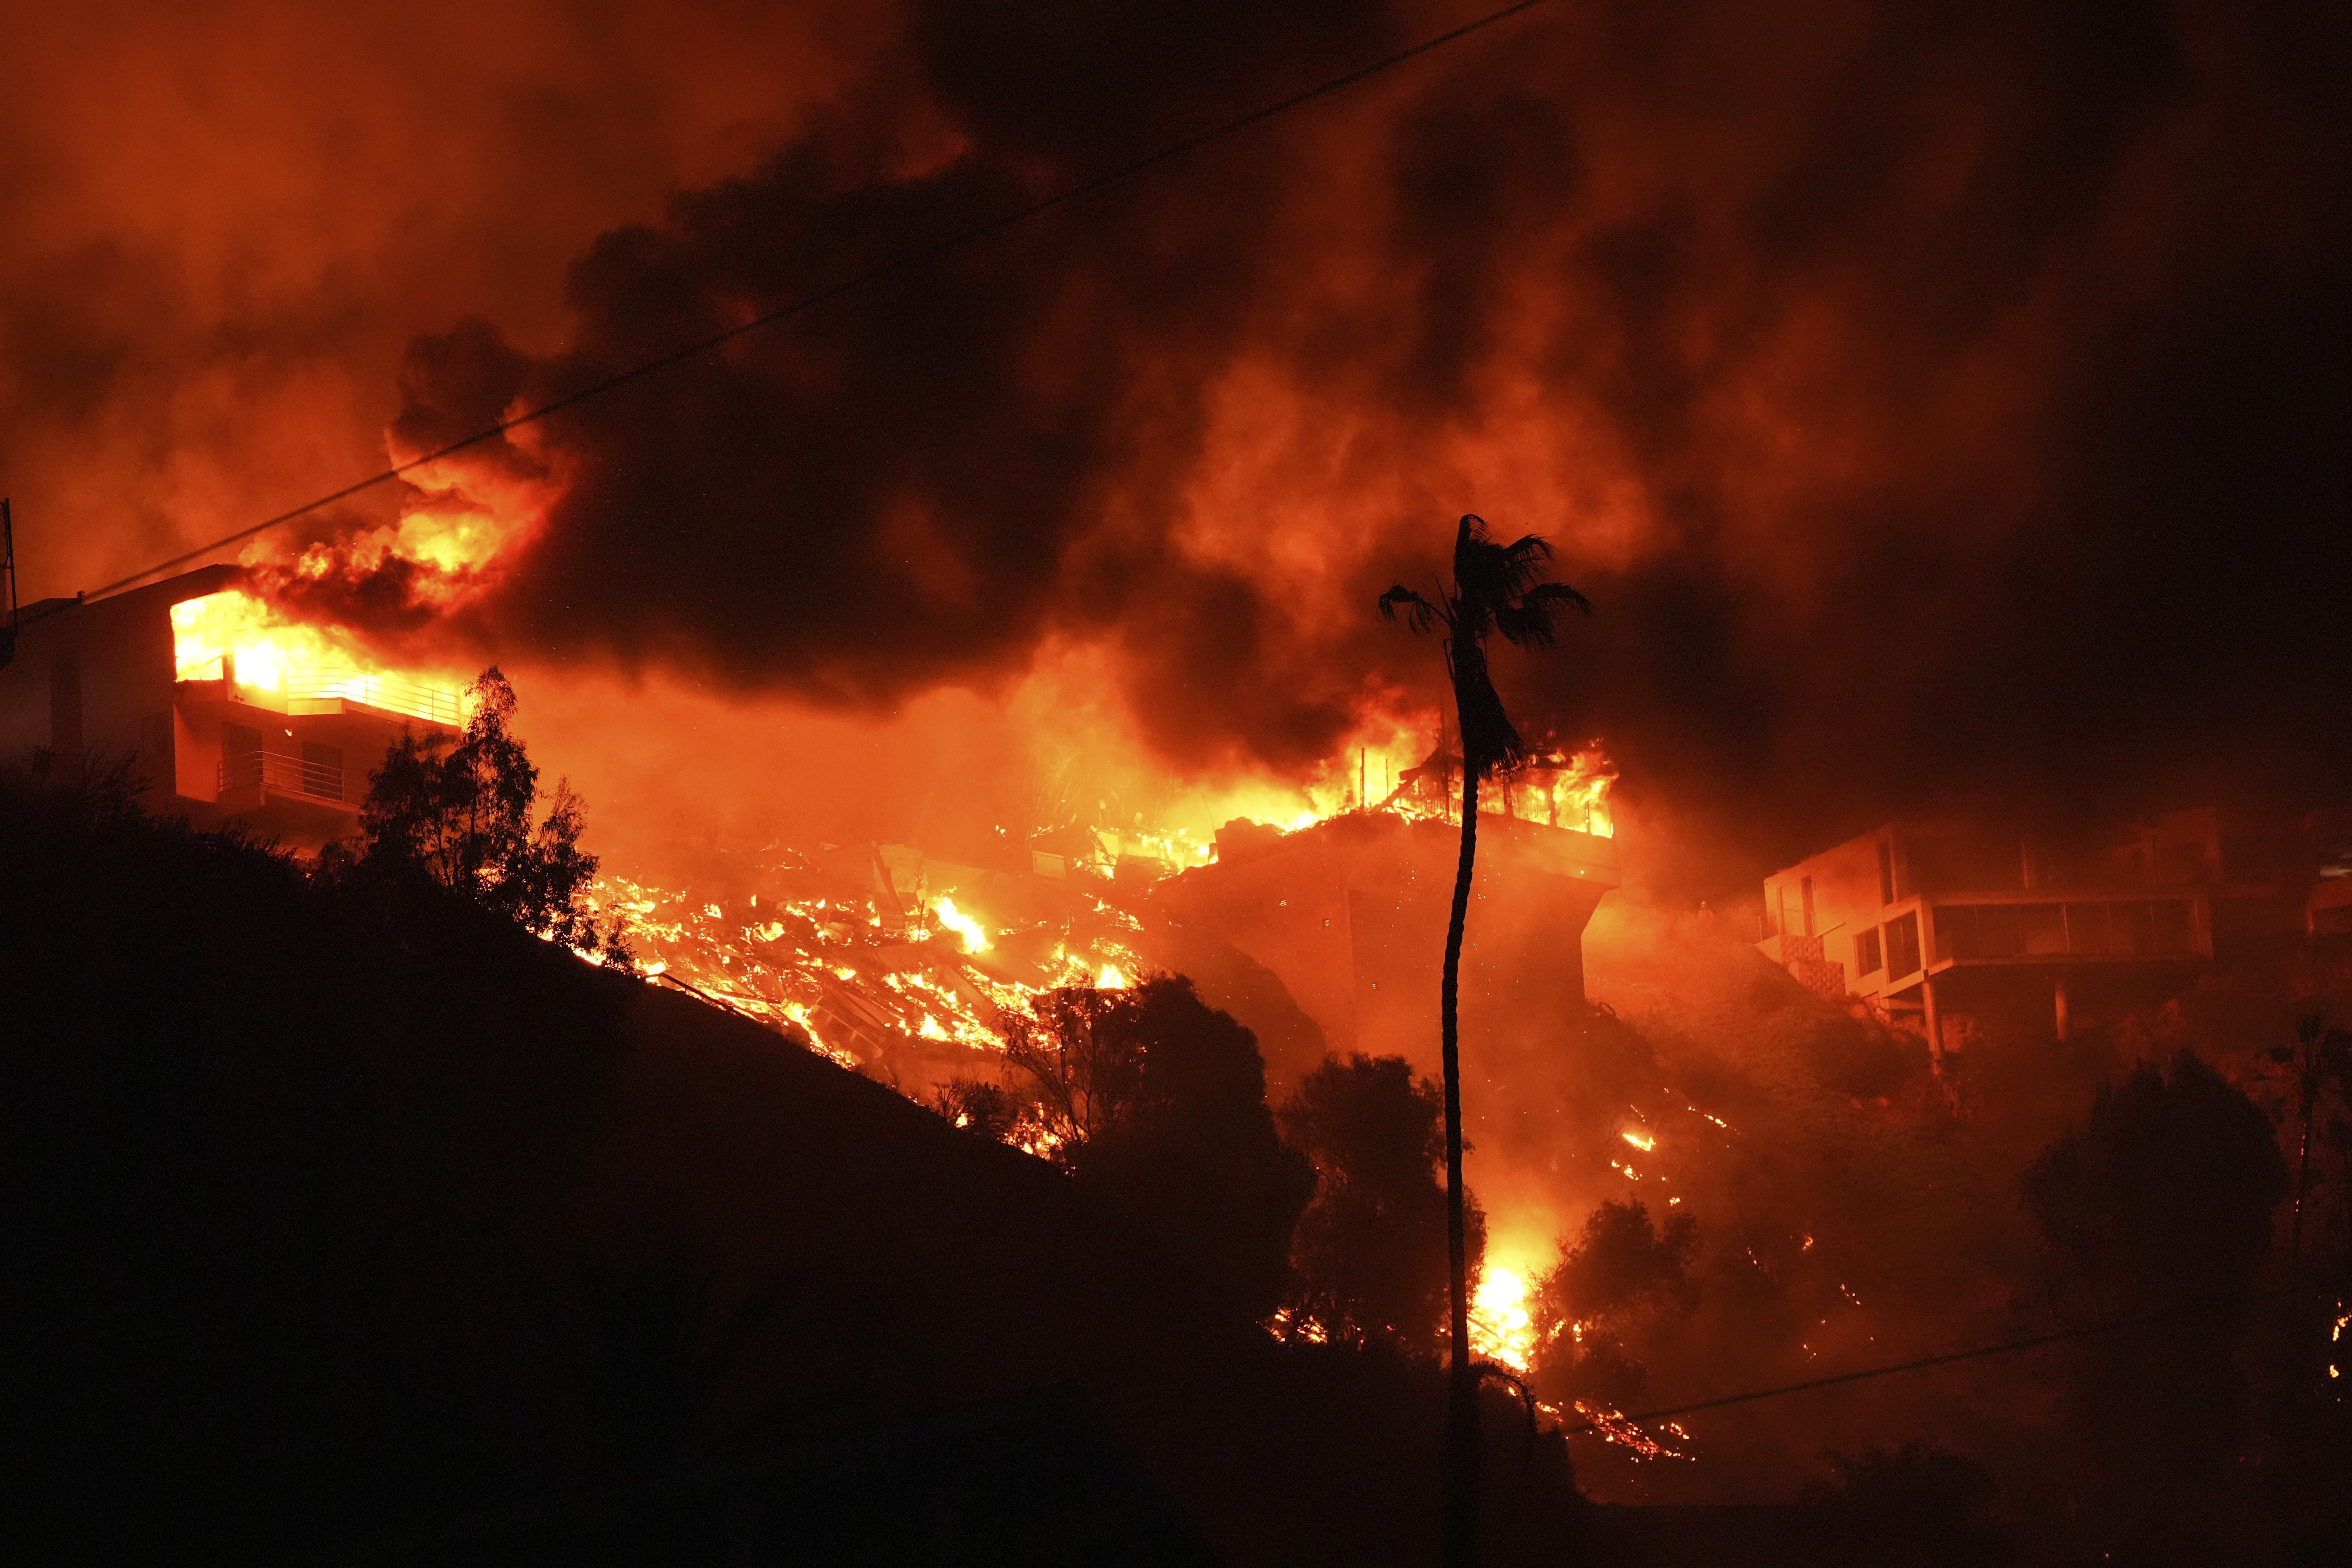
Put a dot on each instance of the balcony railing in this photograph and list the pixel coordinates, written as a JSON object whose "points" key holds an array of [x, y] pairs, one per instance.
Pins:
{"points": [[285, 775], [437, 704]]}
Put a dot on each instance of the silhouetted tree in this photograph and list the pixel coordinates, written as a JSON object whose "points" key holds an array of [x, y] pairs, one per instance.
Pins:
{"points": [[980, 1106], [1371, 1252], [1497, 588], [1913, 1507], [2162, 1202], [460, 814], [2166, 1193], [1157, 1104], [2319, 1067], [1619, 1273], [1077, 1074]]}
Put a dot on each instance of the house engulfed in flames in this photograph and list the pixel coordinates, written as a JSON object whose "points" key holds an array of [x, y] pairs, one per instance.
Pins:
{"points": [[1926, 920], [222, 721]]}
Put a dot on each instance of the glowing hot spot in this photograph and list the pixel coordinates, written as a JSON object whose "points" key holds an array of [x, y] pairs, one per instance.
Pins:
{"points": [[1502, 1325], [975, 940], [1641, 1140]]}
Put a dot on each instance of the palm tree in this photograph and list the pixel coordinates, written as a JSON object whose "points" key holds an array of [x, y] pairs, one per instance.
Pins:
{"points": [[1497, 588]]}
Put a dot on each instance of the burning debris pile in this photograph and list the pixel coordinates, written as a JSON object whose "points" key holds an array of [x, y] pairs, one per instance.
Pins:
{"points": [[905, 966], [890, 963]]}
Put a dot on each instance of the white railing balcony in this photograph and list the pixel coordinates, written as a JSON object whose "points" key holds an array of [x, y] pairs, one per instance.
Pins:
{"points": [[282, 775], [311, 693]]}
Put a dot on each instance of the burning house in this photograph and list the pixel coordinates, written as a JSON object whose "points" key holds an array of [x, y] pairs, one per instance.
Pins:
{"points": [[222, 716], [1925, 918], [1351, 915]]}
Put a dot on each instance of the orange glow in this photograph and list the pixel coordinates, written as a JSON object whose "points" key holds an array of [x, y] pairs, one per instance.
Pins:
{"points": [[1502, 1323], [1641, 1140]]}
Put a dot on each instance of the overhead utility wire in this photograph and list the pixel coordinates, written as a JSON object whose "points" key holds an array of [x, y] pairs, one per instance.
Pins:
{"points": [[834, 291], [2118, 1326]]}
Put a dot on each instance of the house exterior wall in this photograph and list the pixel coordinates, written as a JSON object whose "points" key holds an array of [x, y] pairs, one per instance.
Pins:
{"points": [[96, 684], [1987, 915]]}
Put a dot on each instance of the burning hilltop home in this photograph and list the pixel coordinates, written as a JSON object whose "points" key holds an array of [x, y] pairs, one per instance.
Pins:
{"points": [[1928, 918], [227, 714], [1350, 913]]}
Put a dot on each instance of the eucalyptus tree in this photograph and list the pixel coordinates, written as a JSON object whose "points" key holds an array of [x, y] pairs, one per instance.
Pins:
{"points": [[1496, 589]]}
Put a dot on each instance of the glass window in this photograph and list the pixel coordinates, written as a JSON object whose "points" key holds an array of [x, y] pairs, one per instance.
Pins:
{"points": [[1903, 947], [2044, 928], [1866, 956]]}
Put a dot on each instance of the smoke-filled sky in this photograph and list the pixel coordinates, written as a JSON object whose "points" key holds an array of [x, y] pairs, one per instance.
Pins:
{"points": [[1940, 403]]}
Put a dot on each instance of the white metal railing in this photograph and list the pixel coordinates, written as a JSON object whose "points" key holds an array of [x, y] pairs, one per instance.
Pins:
{"points": [[289, 775], [437, 704]]}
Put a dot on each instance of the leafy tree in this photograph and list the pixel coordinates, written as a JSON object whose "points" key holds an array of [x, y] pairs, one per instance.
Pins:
{"points": [[458, 814], [1370, 1252], [1156, 1102], [1913, 1507], [2165, 1195], [1497, 588], [1080, 1070], [1620, 1273], [2162, 1203]]}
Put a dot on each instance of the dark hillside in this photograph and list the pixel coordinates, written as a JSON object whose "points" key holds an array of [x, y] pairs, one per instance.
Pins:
{"points": [[331, 1224]]}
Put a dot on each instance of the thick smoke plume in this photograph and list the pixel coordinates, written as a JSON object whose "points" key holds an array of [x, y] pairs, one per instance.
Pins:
{"points": [[1935, 403]]}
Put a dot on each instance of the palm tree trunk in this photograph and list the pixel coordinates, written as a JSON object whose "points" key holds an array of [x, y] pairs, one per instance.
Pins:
{"points": [[1462, 1400]]}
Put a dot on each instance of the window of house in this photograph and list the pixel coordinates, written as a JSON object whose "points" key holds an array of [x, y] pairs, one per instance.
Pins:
{"points": [[2087, 928], [1903, 947], [2000, 931], [1867, 953], [240, 755], [1805, 889], [1886, 872], [2044, 928], [1956, 931]]}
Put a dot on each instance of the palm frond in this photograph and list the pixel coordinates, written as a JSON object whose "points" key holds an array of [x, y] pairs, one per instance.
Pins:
{"points": [[1420, 613], [1522, 560], [1528, 621]]}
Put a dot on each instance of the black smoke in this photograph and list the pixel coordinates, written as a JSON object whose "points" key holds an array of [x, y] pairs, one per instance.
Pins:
{"points": [[1936, 405]]}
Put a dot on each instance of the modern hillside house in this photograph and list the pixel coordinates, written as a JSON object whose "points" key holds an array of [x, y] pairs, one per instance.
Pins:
{"points": [[283, 750], [1931, 917]]}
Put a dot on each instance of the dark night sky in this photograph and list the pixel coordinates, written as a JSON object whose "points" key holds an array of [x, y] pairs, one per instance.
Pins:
{"points": [[1941, 403]]}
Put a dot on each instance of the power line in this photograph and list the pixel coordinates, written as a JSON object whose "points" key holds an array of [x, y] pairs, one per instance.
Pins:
{"points": [[2118, 1326], [834, 291]]}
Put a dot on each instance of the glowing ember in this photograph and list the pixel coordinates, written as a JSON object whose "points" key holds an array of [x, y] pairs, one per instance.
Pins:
{"points": [[1641, 1140], [1112, 979], [1613, 1427]]}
